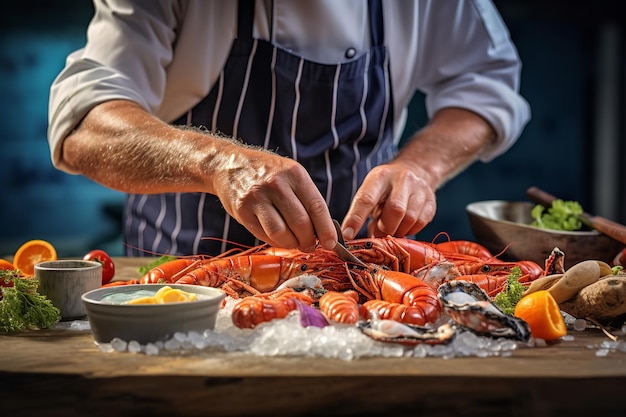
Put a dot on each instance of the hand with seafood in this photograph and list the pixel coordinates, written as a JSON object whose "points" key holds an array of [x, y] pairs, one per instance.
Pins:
{"points": [[230, 124]]}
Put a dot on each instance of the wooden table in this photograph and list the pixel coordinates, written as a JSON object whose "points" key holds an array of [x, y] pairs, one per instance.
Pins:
{"points": [[63, 373]]}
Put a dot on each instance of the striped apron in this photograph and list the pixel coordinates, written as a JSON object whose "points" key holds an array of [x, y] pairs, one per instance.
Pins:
{"points": [[335, 120]]}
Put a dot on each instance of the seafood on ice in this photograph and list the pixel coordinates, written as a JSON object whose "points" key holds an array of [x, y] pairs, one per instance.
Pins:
{"points": [[470, 307]]}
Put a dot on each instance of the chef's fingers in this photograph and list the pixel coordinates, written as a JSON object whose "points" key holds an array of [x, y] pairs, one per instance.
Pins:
{"points": [[366, 199], [399, 219], [307, 217], [323, 226]]}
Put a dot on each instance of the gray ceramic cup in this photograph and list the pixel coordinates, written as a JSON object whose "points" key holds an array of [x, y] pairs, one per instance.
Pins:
{"points": [[65, 281]]}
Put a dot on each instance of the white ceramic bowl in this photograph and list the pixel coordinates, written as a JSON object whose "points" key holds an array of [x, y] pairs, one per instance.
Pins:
{"points": [[498, 223], [150, 322]]}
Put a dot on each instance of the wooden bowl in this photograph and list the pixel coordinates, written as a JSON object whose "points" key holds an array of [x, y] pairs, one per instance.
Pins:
{"points": [[500, 225]]}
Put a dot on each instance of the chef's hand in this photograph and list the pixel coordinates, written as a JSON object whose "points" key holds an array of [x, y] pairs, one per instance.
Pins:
{"points": [[274, 198], [399, 202], [400, 196]]}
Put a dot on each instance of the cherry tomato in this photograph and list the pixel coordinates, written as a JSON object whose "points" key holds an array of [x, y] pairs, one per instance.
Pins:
{"points": [[108, 267], [4, 264]]}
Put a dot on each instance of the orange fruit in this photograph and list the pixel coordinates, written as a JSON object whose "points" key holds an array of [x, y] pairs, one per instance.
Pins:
{"points": [[31, 253], [540, 310], [4, 264]]}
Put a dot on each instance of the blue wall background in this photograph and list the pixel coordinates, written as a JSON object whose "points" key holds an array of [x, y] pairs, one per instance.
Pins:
{"points": [[557, 46]]}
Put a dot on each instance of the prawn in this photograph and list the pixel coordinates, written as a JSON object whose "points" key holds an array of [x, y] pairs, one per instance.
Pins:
{"points": [[254, 310], [396, 287], [341, 307]]}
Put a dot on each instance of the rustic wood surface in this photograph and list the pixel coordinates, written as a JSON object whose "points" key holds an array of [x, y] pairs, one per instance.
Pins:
{"points": [[63, 373]]}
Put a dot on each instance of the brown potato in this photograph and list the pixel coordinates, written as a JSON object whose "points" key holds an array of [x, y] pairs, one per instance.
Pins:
{"points": [[603, 300], [576, 278]]}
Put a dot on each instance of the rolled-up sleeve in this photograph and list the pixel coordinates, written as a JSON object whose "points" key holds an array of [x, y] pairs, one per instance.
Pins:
{"points": [[112, 65], [468, 60]]}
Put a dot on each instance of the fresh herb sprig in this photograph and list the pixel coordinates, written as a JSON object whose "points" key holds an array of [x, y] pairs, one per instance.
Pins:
{"points": [[22, 307], [561, 215], [508, 298]]}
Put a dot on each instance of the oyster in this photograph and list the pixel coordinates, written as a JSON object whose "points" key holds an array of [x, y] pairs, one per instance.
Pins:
{"points": [[470, 307], [391, 331]]}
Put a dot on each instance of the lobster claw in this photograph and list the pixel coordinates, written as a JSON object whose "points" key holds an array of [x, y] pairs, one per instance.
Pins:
{"points": [[342, 251]]}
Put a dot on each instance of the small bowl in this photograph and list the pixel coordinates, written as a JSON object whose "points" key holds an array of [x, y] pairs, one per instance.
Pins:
{"points": [[497, 224], [147, 323]]}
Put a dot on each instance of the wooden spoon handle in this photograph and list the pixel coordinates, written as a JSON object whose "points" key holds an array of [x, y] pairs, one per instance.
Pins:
{"points": [[603, 225]]}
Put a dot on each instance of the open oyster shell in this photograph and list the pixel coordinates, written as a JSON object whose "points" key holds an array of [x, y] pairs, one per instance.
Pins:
{"points": [[391, 331], [470, 307]]}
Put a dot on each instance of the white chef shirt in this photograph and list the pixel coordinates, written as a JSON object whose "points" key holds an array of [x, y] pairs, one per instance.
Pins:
{"points": [[166, 55]]}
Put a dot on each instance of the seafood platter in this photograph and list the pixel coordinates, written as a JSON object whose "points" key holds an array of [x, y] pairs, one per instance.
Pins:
{"points": [[398, 293]]}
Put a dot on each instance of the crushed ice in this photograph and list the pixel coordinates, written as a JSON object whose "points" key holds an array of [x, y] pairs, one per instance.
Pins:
{"points": [[287, 337]]}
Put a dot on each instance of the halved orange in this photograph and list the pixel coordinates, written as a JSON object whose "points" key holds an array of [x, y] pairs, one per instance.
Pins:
{"points": [[4, 264], [31, 253], [541, 311]]}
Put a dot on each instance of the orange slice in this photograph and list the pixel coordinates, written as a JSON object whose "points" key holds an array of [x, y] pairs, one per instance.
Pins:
{"points": [[541, 312], [31, 253], [4, 264], [142, 300]]}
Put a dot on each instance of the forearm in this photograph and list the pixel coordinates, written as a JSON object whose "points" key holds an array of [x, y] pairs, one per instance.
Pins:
{"points": [[450, 142], [121, 146]]}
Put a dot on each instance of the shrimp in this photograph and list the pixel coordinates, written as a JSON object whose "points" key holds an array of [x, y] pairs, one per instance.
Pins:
{"points": [[341, 307], [396, 287], [254, 310]]}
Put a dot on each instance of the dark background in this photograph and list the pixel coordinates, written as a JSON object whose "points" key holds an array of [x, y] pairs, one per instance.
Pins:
{"points": [[573, 76]]}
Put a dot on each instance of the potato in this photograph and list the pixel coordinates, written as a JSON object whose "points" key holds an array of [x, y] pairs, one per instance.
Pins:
{"points": [[603, 300], [578, 277]]}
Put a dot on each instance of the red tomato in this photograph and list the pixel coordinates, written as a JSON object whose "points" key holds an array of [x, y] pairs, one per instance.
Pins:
{"points": [[108, 267], [4, 264]]}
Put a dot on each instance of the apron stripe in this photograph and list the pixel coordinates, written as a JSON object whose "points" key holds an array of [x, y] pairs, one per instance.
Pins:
{"points": [[270, 119], [333, 128], [355, 146], [198, 238], [142, 223], [178, 217], [218, 102], [382, 124], [158, 224], [294, 149]]}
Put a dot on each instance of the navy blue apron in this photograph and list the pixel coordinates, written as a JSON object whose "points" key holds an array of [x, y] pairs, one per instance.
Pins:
{"points": [[336, 120]]}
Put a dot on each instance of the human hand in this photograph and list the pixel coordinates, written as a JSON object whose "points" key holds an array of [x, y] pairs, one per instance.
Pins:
{"points": [[399, 201], [274, 198]]}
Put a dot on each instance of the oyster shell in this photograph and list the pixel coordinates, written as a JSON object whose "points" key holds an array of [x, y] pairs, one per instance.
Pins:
{"points": [[470, 307], [391, 331]]}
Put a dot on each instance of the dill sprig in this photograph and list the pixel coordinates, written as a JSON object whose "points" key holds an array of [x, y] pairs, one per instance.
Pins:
{"points": [[22, 307]]}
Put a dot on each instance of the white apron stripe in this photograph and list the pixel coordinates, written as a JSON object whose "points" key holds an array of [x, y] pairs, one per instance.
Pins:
{"points": [[270, 120], [198, 238], [333, 128], [382, 122], [158, 223], [218, 101], [355, 145], [294, 117], [142, 223], [179, 219], [129, 220]]}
